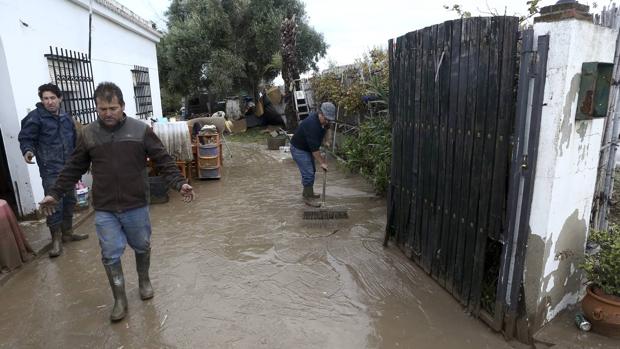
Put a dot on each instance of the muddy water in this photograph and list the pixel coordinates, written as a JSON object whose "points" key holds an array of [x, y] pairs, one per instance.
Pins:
{"points": [[239, 268]]}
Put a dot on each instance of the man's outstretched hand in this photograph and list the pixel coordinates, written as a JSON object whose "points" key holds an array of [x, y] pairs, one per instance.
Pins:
{"points": [[48, 205], [188, 192]]}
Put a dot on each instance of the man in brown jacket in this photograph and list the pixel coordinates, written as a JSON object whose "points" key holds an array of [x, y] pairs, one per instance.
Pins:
{"points": [[117, 148]]}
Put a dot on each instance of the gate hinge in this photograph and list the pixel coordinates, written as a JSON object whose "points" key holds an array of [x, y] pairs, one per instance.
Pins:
{"points": [[524, 163]]}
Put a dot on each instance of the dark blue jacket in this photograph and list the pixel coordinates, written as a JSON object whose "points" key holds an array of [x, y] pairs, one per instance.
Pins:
{"points": [[309, 134], [51, 139]]}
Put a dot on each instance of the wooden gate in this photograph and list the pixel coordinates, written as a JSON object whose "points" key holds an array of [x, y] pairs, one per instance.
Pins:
{"points": [[453, 95]]}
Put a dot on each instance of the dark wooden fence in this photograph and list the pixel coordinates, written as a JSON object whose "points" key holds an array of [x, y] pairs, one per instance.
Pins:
{"points": [[453, 89]]}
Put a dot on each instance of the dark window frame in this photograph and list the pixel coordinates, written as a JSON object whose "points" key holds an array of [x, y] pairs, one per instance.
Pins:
{"points": [[142, 92], [73, 73]]}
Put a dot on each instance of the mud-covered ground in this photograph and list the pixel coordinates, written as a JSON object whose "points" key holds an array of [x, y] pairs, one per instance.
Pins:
{"points": [[240, 268]]}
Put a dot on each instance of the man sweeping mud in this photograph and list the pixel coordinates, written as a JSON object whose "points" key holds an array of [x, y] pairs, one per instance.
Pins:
{"points": [[305, 146], [117, 147]]}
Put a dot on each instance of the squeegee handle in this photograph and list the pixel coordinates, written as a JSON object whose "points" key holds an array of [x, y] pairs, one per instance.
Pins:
{"points": [[324, 185]]}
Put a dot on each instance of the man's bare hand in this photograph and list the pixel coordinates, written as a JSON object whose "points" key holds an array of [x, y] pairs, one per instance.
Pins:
{"points": [[324, 166], [28, 157], [188, 192], [48, 205]]}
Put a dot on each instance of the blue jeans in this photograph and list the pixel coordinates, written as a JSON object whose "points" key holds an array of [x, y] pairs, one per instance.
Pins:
{"points": [[116, 229], [305, 163], [66, 205]]}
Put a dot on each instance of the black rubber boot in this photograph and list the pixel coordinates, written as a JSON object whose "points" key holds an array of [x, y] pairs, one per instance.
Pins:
{"points": [[143, 262], [117, 283], [68, 234], [309, 193], [56, 249]]}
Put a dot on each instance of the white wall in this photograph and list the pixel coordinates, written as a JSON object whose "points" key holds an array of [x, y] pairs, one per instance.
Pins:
{"points": [[115, 54], [566, 168], [28, 28], [9, 124]]}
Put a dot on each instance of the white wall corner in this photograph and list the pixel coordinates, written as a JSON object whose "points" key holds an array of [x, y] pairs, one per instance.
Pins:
{"points": [[567, 160]]}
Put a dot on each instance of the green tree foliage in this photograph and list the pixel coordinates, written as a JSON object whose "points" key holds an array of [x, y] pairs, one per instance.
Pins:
{"points": [[182, 52], [230, 46]]}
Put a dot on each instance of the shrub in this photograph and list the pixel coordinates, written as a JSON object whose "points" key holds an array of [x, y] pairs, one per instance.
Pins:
{"points": [[370, 151], [602, 268]]}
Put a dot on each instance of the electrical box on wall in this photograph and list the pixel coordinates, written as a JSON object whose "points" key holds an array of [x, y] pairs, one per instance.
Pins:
{"points": [[596, 78]]}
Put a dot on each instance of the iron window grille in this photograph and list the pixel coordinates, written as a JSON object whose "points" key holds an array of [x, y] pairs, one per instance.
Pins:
{"points": [[142, 92], [73, 73]]}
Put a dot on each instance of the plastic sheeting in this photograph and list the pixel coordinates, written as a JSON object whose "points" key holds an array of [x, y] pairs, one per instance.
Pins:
{"points": [[176, 139]]}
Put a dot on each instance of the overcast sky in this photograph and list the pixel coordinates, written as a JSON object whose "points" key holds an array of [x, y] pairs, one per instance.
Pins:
{"points": [[351, 27]]}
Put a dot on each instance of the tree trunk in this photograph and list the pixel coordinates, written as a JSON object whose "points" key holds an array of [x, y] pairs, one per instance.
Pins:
{"points": [[289, 74]]}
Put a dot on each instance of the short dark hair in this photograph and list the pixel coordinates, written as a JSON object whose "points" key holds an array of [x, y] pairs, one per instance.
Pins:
{"points": [[51, 88], [108, 90]]}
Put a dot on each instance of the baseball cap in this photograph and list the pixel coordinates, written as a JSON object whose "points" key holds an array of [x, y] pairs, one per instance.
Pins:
{"points": [[328, 109]]}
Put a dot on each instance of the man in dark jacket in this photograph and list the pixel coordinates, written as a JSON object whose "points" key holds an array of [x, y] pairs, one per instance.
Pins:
{"points": [[117, 147], [305, 146], [49, 134]]}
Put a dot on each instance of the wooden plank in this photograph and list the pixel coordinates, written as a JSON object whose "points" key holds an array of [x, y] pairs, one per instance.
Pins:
{"points": [[448, 149], [496, 33], [412, 161], [407, 143], [404, 136], [404, 112], [403, 119], [452, 60], [418, 144], [443, 78], [432, 119], [439, 146], [389, 227], [480, 119], [468, 127], [455, 258], [459, 121], [504, 127], [407, 89], [431, 161], [397, 148], [424, 154]]}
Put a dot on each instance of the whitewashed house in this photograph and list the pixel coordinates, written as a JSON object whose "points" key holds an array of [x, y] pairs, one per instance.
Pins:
{"points": [[60, 41]]}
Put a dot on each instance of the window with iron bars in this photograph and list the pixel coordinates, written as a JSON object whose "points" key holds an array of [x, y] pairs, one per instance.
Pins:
{"points": [[142, 92], [73, 73]]}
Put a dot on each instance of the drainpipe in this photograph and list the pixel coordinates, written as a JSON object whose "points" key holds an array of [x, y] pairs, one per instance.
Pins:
{"points": [[90, 26], [611, 161]]}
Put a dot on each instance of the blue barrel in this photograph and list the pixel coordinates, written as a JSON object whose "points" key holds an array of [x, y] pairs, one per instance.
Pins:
{"points": [[208, 150]]}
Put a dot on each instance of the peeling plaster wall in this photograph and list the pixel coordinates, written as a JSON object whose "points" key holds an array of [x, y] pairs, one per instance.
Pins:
{"points": [[565, 170]]}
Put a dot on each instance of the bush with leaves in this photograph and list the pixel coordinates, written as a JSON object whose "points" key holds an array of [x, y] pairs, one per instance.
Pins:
{"points": [[368, 76], [603, 267], [370, 151], [346, 95]]}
